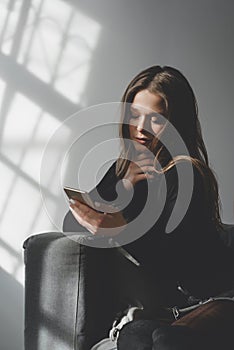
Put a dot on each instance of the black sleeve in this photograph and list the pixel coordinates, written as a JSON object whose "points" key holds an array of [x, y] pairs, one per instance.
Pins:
{"points": [[106, 189], [197, 212], [168, 251], [194, 251]]}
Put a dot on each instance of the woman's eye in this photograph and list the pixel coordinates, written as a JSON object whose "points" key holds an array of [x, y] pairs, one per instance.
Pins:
{"points": [[134, 116], [154, 119], [157, 120]]}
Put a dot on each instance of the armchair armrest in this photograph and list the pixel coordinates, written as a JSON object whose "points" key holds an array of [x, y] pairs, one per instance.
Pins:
{"points": [[73, 291], [71, 295]]}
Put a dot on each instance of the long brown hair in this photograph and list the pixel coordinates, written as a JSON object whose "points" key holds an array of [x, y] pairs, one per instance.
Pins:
{"points": [[182, 112]]}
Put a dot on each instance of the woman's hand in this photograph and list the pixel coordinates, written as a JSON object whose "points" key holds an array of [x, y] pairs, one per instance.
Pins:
{"points": [[109, 224], [140, 169]]}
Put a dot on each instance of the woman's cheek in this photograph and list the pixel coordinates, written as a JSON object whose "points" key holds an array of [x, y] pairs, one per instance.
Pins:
{"points": [[131, 130]]}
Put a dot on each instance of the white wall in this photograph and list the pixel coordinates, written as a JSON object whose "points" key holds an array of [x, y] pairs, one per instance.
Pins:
{"points": [[57, 57]]}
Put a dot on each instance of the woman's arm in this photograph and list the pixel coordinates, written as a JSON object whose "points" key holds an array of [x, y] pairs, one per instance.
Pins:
{"points": [[105, 189], [110, 224]]}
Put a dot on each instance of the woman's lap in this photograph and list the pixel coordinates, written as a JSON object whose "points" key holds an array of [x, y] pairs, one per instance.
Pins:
{"points": [[137, 335], [146, 335], [209, 326]]}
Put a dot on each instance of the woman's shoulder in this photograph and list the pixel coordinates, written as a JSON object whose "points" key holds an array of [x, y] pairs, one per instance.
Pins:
{"points": [[185, 188], [185, 175], [187, 171]]}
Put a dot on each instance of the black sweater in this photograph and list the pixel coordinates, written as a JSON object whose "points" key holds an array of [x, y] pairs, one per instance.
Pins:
{"points": [[192, 255]]}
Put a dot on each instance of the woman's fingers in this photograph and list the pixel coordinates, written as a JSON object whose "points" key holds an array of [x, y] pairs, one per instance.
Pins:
{"points": [[146, 154], [94, 221], [84, 212], [146, 169], [141, 166], [145, 176], [145, 161], [106, 208], [141, 171]]}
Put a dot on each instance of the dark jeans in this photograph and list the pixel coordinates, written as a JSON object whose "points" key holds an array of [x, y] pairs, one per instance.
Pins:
{"points": [[145, 335], [211, 326]]}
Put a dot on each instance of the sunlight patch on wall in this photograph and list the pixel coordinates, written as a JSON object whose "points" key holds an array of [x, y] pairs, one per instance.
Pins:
{"points": [[20, 212], [8, 262], [55, 42], [26, 133], [9, 15], [19, 128], [2, 88], [57, 46], [19, 273]]}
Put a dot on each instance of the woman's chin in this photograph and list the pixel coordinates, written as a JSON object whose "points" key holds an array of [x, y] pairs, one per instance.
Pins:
{"points": [[140, 148]]}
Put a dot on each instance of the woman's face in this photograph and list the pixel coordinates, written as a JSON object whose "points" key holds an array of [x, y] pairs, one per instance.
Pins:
{"points": [[145, 122]]}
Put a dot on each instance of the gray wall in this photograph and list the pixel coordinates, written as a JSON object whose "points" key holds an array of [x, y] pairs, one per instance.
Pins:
{"points": [[193, 36]]}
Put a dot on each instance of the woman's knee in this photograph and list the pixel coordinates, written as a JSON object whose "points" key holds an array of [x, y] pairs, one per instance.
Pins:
{"points": [[176, 338], [137, 335]]}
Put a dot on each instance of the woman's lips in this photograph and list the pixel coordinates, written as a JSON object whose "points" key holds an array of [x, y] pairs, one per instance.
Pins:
{"points": [[142, 140]]}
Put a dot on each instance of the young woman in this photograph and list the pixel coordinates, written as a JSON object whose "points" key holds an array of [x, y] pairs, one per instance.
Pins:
{"points": [[190, 263]]}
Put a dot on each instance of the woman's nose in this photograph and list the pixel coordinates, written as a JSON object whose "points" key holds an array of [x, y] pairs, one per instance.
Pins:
{"points": [[141, 123]]}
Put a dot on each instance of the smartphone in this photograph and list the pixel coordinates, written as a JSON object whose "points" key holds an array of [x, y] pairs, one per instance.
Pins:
{"points": [[84, 197], [80, 195]]}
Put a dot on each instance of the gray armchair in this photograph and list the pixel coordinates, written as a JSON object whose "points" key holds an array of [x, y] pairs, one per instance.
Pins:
{"points": [[72, 294]]}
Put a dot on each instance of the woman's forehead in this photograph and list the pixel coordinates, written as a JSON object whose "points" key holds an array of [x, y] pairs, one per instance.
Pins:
{"points": [[147, 102]]}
